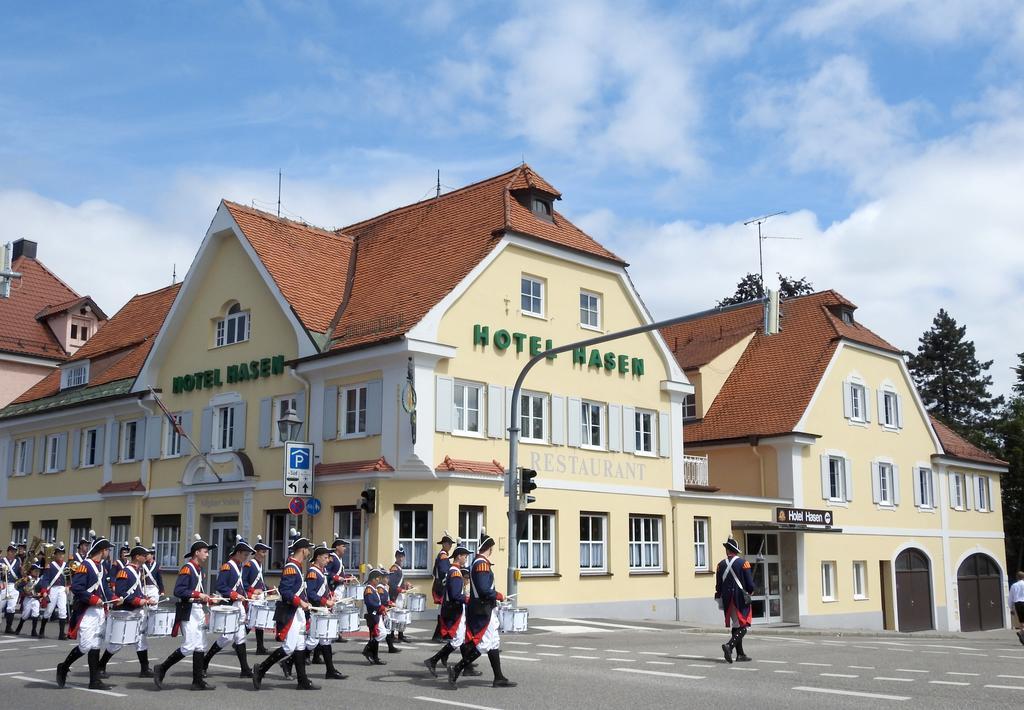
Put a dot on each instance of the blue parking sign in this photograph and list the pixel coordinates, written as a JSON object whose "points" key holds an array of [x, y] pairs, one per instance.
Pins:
{"points": [[298, 469]]}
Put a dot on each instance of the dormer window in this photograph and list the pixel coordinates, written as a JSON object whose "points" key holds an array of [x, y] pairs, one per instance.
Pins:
{"points": [[74, 375], [79, 331], [233, 327], [847, 315], [541, 207]]}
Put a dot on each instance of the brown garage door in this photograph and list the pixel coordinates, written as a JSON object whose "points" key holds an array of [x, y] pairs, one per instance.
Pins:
{"points": [[913, 591], [981, 594]]}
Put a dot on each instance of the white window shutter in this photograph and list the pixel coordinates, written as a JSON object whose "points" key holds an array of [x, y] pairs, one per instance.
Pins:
{"points": [[9, 458], [824, 477], [876, 483], [374, 407], [867, 403], [62, 451], [848, 473], [557, 420], [28, 454], [330, 417], [186, 426], [614, 427], [899, 411], [113, 442], [496, 411], [153, 436], [664, 435], [968, 491], [988, 495], [918, 493], [895, 484], [101, 441], [444, 404], [240, 425], [574, 421], [508, 409], [41, 454], [951, 482], [629, 430], [266, 421], [881, 406], [75, 442], [934, 501], [206, 430], [847, 401]]}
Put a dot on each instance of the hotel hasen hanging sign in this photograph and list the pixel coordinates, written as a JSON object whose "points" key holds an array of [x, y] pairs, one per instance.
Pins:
{"points": [[592, 359]]}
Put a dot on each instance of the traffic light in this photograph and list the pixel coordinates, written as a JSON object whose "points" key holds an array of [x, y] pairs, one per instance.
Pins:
{"points": [[368, 501], [526, 486]]}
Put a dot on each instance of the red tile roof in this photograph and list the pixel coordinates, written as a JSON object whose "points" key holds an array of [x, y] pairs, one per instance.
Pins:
{"points": [[71, 304], [126, 487], [465, 466], [957, 447], [368, 466], [526, 179], [20, 331], [773, 381]]}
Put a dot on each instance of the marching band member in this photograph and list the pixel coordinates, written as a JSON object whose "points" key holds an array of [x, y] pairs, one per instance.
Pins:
{"points": [[452, 616], [152, 580], [123, 556], [11, 573], [53, 590], [83, 549], [29, 597], [230, 586], [290, 617], [397, 586], [482, 622], [255, 586], [128, 587], [387, 628], [374, 607], [440, 574], [190, 616], [88, 614], [318, 593], [336, 574], [733, 582]]}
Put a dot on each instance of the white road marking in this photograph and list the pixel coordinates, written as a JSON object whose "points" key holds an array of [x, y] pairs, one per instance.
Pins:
{"points": [[12, 673], [744, 668], [44, 670], [895, 680], [1016, 658], [909, 670], [15, 640], [548, 645], [949, 682], [583, 648], [1006, 687], [838, 675], [765, 660], [453, 703], [1015, 677], [76, 687], [614, 650], [571, 629], [660, 663], [853, 693], [663, 674], [586, 658], [786, 638], [39, 648], [519, 643], [835, 643], [591, 622], [789, 672], [868, 648], [700, 665], [821, 665], [521, 658], [653, 653], [937, 653], [961, 673], [688, 655], [864, 668], [983, 655], [512, 650], [616, 659], [558, 655]]}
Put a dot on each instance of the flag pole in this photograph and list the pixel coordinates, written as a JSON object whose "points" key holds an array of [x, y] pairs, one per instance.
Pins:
{"points": [[182, 432]]}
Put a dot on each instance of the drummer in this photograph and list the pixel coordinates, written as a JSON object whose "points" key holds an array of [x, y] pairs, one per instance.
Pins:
{"points": [[255, 585], [9, 576], [231, 588], [375, 601], [452, 616], [52, 586], [189, 617], [318, 593], [397, 587], [440, 572], [152, 580], [129, 588], [87, 615], [337, 577]]}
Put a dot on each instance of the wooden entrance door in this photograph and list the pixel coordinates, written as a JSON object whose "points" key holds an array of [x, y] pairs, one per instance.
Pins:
{"points": [[913, 591], [980, 591]]}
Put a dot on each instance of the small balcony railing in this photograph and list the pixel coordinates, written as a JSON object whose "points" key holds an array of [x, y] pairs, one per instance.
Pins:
{"points": [[695, 471]]}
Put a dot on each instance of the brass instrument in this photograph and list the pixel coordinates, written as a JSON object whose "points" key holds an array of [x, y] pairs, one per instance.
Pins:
{"points": [[33, 547]]}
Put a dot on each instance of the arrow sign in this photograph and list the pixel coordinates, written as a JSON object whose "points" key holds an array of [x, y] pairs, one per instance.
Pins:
{"points": [[313, 506], [298, 469]]}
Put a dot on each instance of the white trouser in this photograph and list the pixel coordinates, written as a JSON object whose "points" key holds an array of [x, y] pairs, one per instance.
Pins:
{"points": [[383, 627], [460, 633], [90, 629], [30, 608], [238, 635], [192, 636], [58, 603], [295, 639], [12, 595], [491, 641]]}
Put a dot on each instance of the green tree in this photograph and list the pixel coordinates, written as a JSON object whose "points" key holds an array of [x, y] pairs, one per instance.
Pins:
{"points": [[751, 288], [1011, 438]]}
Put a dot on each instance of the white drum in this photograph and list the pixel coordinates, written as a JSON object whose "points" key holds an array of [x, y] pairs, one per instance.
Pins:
{"points": [[353, 590], [124, 627], [349, 620], [224, 620], [159, 622], [324, 625], [261, 615], [400, 618], [416, 602], [151, 591], [513, 621]]}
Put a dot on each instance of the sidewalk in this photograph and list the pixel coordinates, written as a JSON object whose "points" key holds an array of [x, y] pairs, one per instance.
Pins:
{"points": [[793, 630]]}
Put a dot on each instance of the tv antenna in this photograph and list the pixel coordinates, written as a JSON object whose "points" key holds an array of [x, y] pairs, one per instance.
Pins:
{"points": [[279, 192], [761, 237]]}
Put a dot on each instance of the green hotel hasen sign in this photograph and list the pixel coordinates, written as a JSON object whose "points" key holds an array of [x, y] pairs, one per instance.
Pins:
{"points": [[243, 371], [593, 359]]}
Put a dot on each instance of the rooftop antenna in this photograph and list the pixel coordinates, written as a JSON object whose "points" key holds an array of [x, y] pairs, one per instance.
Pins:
{"points": [[7, 276], [438, 191], [279, 192], [174, 274], [761, 237]]}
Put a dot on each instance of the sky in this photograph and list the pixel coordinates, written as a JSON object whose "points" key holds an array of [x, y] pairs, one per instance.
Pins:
{"points": [[890, 132]]}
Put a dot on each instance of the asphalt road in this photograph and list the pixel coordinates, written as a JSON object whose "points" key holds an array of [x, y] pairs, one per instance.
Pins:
{"points": [[570, 664]]}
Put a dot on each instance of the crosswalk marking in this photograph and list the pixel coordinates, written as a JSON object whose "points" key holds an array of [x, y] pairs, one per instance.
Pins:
{"points": [[663, 674], [30, 679], [852, 693]]}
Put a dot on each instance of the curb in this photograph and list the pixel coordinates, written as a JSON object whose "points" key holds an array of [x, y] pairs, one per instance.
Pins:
{"points": [[852, 633]]}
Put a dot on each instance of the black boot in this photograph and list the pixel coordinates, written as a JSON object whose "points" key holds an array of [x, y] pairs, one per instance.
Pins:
{"points": [[437, 631], [316, 657], [94, 671], [35, 624], [471, 671], [161, 668], [42, 628], [212, 651], [402, 638], [107, 655], [727, 647], [265, 665], [198, 659], [61, 627], [391, 643], [21, 623], [9, 618], [261, 649], [304, 683], [500, 681], [439, 657], [144, 671], [469, 654], [243, 661], [286, 667], [332, 673], [63, 668], [371, 654], [740, 655]]}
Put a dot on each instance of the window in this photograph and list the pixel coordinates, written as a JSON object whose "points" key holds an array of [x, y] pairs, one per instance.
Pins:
{"points": [[23, 457], [224, 428], [890, 410], [280, 409], [279, 522], [75, 375], [80, 528], [593, 540], [166, 536], [234, 327], [48, 530], [701, 561], [129, 441], [886, 484], [532, 296], [19, 533], [74, 331], [471, 522], [857, 405], [173, 447], [590, 310], [467, 407], [926, 491], [349, 524], [690, 406], [53, 453], [119, 528], [590, 421], [540, 207], [644, 543], [531, 417], [353, 408], [644, 429], [860, 580], [90, 448], [536, 543], [414, 536], [956, 491], [836, 478], [828, 581], [982, 491]]}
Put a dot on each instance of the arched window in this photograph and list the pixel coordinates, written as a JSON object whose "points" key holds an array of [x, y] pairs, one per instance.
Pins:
{"points": [[233, 327]]}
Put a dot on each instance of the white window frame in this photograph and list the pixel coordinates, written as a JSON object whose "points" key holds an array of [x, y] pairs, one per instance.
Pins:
{"points": [[471, 523], [358, 391], [860, 580], [858, 401], [172, 439], [533, 547], [886, 482], [82, 326], [983, 490], [222, 326], [828, 581], [466, 386], [837, 479], [136, 445], [587, 411], [223, 428], [48, 531], [957, 497], [531, 296], [52, 453], [89, 455], [890, 409], [22, 459], [167, 541], [278, 408], [690, 406], [639, 432], [75, 375], [78, 531], [925, 483], [349, 524], [527, 417], [590, 309], [701, 546], [19, 533], [119, 532], [590, 546], [646, 543], [413, 562]]}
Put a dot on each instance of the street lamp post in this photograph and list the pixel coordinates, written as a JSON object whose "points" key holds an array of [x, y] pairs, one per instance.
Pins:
{"points": [[288, 428]]}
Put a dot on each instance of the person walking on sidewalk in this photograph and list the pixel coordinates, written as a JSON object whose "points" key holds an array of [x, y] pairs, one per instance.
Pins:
{"points": [[1017, 601], [734, 582]]}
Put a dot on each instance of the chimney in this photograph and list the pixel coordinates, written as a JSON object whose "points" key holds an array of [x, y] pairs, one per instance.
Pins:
{"points": [[24, 247], [771, 313]]}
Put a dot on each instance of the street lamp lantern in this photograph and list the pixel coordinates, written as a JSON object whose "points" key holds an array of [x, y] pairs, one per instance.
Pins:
{"points": [[289, 426]]}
